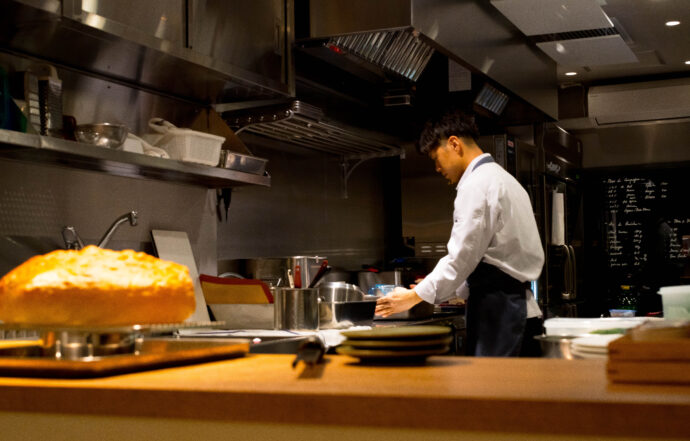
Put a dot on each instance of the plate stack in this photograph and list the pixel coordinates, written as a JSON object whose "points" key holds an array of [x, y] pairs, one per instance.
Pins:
{"points": [[592, 346], [391, 344]]}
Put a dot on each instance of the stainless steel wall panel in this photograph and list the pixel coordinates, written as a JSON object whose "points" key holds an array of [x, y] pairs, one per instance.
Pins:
{"points": [[105, 47], [303, 212], [164, 19], [247, 34], [37, 201]]}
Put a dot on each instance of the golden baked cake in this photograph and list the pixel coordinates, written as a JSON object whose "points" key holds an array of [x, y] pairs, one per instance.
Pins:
{"points": [[96, 287]]}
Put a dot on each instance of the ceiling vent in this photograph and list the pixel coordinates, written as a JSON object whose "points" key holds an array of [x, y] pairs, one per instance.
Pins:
{"points": [[571, 32], [492, 99]]}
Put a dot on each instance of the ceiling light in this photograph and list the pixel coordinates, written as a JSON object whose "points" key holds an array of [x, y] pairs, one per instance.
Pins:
{"points": [[687, 62], [672, 23], [570, 74]]}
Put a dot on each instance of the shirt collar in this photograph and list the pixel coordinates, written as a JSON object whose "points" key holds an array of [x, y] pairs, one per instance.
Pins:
{"points": [[470, 168]]}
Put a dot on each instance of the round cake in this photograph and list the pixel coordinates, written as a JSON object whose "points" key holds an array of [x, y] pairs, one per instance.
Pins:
{"points": [[96, 287]]}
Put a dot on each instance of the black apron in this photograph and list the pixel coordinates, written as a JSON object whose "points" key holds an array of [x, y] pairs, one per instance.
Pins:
{"points": [[496, 309]]}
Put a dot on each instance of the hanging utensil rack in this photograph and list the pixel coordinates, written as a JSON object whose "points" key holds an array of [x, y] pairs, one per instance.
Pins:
{"points": [[300, 123]]}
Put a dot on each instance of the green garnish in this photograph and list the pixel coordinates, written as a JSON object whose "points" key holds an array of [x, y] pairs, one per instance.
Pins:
{"points": [[609, 331]]}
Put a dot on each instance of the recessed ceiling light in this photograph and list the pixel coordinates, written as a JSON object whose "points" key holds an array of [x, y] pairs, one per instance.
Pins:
{"points": [[672, 23], [570, 74]]}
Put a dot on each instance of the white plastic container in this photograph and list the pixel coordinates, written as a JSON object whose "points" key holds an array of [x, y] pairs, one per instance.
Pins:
{"points": [[187, 145], [676, 301], [579, 326]]}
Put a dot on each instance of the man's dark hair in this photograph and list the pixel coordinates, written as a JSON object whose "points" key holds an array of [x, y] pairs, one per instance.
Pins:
{"points": [[440, 128]]}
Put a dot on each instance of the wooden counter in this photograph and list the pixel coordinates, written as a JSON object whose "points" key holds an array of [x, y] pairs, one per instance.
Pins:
{"points": [[535, 398]]}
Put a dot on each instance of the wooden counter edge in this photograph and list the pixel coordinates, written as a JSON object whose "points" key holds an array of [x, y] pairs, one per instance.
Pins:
{"points": [[392, 410]]}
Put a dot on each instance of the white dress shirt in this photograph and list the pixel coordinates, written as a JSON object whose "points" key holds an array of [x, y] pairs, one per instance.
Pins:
{"points": [[492, 222]]}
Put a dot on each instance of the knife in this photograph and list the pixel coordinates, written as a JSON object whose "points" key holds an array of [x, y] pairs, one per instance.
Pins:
{"points": [[298, 276]]}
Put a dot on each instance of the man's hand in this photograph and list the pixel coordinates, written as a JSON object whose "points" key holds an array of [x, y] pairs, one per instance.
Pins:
{"points": [[399, 300]]}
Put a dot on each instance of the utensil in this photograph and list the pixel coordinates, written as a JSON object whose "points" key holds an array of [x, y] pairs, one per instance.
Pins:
{"points": [[310, 351], [103, 135], [273, 268], [50, 99], [291, 280], [323, 269]]}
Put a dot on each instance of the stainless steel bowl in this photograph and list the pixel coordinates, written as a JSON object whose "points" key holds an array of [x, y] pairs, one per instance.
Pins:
{"points": [[555, 346], [103, 135], [342, 304], [340, 292]]}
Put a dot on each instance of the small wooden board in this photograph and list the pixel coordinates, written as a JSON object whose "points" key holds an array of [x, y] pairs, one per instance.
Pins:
{"points": [[627, 349], [648, 372], [155, 354], [657, 361]]}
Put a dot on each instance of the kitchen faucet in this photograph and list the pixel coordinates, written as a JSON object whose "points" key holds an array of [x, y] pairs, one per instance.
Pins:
{"points": [[74, 242]]}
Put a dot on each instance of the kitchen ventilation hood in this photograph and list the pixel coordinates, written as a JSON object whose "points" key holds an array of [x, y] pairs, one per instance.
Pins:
{"points": [[393, 40]]}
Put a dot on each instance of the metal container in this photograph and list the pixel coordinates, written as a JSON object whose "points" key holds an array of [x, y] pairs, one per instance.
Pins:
{"points": [[367, 280], [340, 292], [274, 269], [103, 135], [244, 163], [296, 309], [342, 304], [555, 346]]}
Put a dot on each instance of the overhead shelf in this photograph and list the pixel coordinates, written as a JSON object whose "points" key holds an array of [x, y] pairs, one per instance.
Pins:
{"points": [[306, 125], [59, 152]]}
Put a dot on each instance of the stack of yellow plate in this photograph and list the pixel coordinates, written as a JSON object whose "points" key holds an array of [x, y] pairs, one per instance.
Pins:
{"points": [[407, 343]]}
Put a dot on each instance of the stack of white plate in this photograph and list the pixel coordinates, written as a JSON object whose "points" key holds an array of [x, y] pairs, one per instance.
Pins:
{"points": [[403, 344], [592, 346]]}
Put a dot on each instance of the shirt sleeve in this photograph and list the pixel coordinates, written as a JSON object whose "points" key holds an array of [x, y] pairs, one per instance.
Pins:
{"points": [[475, 220]]}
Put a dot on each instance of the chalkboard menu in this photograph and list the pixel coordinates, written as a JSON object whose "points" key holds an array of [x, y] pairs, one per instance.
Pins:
{"points": [[640, 207]]}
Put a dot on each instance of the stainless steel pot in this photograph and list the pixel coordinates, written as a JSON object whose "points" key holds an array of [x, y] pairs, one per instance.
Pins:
{"points": [[342, 304], [274, 269], [296, 309]]}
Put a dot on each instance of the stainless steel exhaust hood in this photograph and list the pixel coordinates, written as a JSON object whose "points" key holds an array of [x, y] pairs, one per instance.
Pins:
{"points": [[400, 51], [359, 35]]}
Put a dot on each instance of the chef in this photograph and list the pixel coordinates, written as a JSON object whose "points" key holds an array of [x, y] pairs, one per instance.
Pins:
{"points": [[494, 248]]}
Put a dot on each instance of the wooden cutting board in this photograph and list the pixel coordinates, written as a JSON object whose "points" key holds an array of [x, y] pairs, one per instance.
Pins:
{"points": [[175, 246], [657, 361], [627, 349], [154, 354]]}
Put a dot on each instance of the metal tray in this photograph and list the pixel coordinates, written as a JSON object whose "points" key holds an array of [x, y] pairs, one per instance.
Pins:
{"points": [[247, 164]]}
